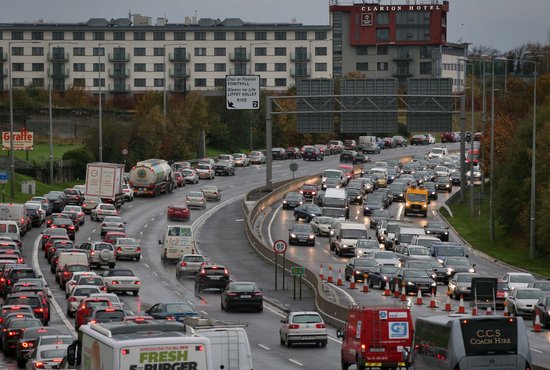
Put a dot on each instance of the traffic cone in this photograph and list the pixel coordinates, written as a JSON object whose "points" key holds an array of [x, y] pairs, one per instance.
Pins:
{"points": [[489, 311], [461, 305], [403, 294], [474, 310], [396, 289], [432, 301], [365, 285], [352, 282], [321, 274], [339, 281], [387, 292], [537, 328], [506, 312], [329, 280], [419, 298], [447, 304]]}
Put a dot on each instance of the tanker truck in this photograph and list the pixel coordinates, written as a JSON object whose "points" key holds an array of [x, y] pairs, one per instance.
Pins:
{"points": [[151, 177]]}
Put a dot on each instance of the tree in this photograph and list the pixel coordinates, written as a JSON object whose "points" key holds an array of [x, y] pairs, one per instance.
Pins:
{"points": [[80, 158]]}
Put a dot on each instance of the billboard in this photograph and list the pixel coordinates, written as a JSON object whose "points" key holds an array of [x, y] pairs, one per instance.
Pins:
{"points": [[310, 122], [430, 107], [23, 140]]}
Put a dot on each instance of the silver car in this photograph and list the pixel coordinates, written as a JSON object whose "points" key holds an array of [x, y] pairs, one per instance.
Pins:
{"points": [[522, 301], [102, 210], [212, 192], [90, 203], [321, 225], [127, 248], [241, 160], [256, 157], [190, 176], [77, 294], [112, 223], [195, 199], [79, 212], [189, 264]]}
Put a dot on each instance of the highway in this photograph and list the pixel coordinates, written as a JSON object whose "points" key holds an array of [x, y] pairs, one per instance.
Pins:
{"points": [[221, 236]]}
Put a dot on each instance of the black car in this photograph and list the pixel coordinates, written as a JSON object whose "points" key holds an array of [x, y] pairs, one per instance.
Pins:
{"points": [[355, 196], [313, 154], [542, 309], [360, 158], [372, 204], [13, 332], [348, 156], [455, 178], [242, 294], [278, 153], [57, 201], [432, 190], [378, 216], [434, 268], [301, 234], [437, 229], [385, 194], [381, 275], [293, 153], [292, 200], [171, 310], [224, 168], [64, 223], [211, 277], [414, 280], [307, 212], [444, 183], [397, 192], [360, 267], [34, 215], [458, 264], [12, 275]]}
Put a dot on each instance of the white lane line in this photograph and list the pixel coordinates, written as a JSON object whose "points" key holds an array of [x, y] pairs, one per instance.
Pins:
{"points": [[239, 220], [264, 347], [296, 362], [178, 293], [54, 301], [271, 223], [94, 230], [536, 350], [141, 233], [153, 219], [144, 226]]}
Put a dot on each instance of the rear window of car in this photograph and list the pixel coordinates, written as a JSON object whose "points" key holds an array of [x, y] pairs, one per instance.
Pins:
{"points": [[100, 247], [19, 324], [31, 301], [121, 273], [75, 268], [215, 271], [23, 274], [53, 353], [90, 281], [109, 315], [85, 291], [193, 258], [307, 319], [56, 340]]}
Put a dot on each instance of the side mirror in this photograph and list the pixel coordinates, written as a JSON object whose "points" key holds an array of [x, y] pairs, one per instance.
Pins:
{"points": [[160, 242], [339, 333], [474, 265], [466, 256]]}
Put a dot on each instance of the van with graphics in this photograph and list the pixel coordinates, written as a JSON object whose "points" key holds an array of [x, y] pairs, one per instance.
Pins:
{"points": [[177, 241]]}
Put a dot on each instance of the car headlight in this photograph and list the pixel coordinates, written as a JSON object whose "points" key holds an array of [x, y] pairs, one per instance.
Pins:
{"points": [[450, 271], [358, 197], [446, 232], [434, 276], [428, 232], [407, 204], [410, 283], [301, 202], [292, 235], [424, 206], [284, 201], [384, 278], [366, 207], [344, 246], [311, 236], [434, 284], [471, 270], [440, 260]]}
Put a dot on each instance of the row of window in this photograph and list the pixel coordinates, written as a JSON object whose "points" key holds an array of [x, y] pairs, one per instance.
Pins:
{"points": [[425, 67], [162, 35], [453, 67], [426, 52]]}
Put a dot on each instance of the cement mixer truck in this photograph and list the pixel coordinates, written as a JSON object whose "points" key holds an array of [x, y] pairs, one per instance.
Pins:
{"points": [[151, 177]]}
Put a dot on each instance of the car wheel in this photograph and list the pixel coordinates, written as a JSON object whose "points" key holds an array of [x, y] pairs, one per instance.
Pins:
{"points": [[323, 343], [261, 308], [136, 293], [297, 218], [281, 340], [112, 265], [21, 362]]}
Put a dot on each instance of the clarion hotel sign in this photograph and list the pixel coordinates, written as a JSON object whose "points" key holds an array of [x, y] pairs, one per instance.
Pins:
{"points": [[397, 8]]}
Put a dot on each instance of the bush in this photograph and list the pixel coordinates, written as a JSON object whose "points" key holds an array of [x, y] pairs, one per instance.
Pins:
{"points": [[80, 158]]}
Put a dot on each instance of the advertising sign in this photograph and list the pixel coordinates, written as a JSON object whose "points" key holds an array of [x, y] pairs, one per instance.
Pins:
{"points": [[398, 330], [23, 140]]}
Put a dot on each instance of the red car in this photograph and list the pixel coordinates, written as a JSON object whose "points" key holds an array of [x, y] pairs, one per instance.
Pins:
{"points": [[348, 171], [51, 241], [178, 212], [180, 180], [309, 191], [85, 307], [112, 236]]}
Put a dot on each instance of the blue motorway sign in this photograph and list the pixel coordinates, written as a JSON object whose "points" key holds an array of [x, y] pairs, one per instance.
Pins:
{"points": [[4, 175]]}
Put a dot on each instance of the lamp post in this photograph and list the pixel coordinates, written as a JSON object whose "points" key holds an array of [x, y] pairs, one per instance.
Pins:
{"points": [[99, 52], [12, 153], [50, 113], [251, 145]]}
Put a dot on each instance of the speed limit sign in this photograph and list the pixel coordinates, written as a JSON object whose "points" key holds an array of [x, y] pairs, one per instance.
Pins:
{"points": [[279, 246]]}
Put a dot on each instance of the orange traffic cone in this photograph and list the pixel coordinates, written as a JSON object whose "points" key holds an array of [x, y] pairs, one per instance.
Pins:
{"points": [[419, 298], [321, 273], [329, 280], [461, 305], [537, 328], [506, 312], [387, 289], [396, 289], [474, 310], [432, 301], [489, 311], [447, 304], [339, 281], [365, 285], [352, 282], [403, 294]]}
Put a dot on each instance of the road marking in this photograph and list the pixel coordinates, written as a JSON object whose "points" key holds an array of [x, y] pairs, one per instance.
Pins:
{"points": [[239, 220], [155, 274], [145, 226], [94, 230], [296, 362], [264, 347], [141, 233], [536, 350], [271, 223], [178, 293], [146, 265], [160, 214], [152, 219]]}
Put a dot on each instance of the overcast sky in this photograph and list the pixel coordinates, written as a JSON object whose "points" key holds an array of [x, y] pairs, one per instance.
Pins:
{"points": [[502, 24]]}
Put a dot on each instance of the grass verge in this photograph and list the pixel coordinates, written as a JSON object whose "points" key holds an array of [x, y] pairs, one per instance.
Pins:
{"points": [[41, 188], [41, 152]]}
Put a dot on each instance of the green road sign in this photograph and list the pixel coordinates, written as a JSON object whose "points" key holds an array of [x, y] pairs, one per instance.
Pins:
{"points": [[298, 271]]}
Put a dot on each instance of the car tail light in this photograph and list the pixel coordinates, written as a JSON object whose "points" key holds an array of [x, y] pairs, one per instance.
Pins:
{"points": [[225, 271], [12, 333], [233, 294], [320, 326], [138, 283], [66, 273], [26, 344], [39, 365], [183, 264], [21, 260], [92, 253], [104, 288], [71, 227], [92, 322], [258, 293], [114, 282], [138, 249], [83, 307], [45, 236], [39, 310], [293, 326], [119, 249], [170, 318], [84, 204]]}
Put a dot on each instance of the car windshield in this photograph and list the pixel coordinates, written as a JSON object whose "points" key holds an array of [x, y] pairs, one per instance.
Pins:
{"points": [[179, 231], [302, 228], [415, 274], [294, 196], [458, 261], [97, 304], [413, 197], [547, 302], [365, 262], [179, 307], [450, 251], [436, 225], [464, 278], [210, 188], [521, 278], [19, 324], [53, 353], [193, 259], [332, 174], [381, 213], [110, 315], [309, 187], [529, 294], [354, 234], [418, 251], [203, 167], [367, 244], [90, 281], [18, 274], [56, 340], [195, 194], [324, 220], [542, 285], [307, 319], [112, 219], [121, 273], [384, 255]]}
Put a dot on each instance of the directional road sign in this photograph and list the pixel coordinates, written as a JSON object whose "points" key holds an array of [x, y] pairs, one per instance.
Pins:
{"points": [[4, 175], [242, 92]]}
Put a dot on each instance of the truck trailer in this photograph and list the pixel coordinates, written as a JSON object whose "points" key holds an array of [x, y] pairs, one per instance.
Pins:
{"points": [[105, 180], [152, 177]]}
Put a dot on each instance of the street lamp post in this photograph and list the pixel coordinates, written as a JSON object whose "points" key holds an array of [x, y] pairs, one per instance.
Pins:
{"points": [[471, 156], [251, 145]]}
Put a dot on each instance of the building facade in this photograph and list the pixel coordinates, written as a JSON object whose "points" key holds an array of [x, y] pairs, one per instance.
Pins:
{"points": [[124, 56], [395, 41]]}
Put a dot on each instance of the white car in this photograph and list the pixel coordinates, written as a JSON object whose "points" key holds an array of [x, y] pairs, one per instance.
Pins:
{"points": [[431, 138], [517, 279], [521, 301], [303, 327], [72, 283], [79, 212], [321, 225], [195, 199], [256, 157], [46, 356], [386, 258], [205, 171], [102, 210], [121, 280], [77, 294], [442, 171], [367, 247], [241, 160], [190, 176], [128, 192]]}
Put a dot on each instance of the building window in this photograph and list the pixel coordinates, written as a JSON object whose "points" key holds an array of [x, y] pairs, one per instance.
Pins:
{"points": [[98, 35], [280, 35], [260, 67], [139, 52], [17, 50], [260, 52], [119, 35], [139, 36], [139, 82], [79, 67], [219, 67], [179, 35], [38, 67], [17, 35], [241, 69], [320, 35], [383, 18], [158, 67], [280, 51], [158, 36], [18, 82], [79, 52], [362, 50], [96, 82], [98, 67], [300, 35], [158, 52], [37, 51], [140, 67], [382, 50], [219, 82], [98, 52], [320, 51], [200, 52], [321, 67], [240, 35], [37, 35], [200, 82], [58, 35], [425, 52], [382, 34], [362, 66], [280, 67], [38, 82], [280, 82], [79, 35], [200, 67], [382, 66], [219, 52], [263, 82], [260, 35], [425, 68], [18, 67], [79, 82], [200, 36], [158, 82], [219, 35]]}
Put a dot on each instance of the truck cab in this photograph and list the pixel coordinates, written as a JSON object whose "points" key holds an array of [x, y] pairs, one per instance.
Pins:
{"points": [[416, 200]]}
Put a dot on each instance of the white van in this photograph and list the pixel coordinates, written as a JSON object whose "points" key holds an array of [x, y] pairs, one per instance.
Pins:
{"points": [[72, 258], [15, 212], [11, 230], [405, 234], [345, 237], [177, 241]]}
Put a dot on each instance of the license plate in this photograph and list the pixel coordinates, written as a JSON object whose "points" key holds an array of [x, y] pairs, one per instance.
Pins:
{"points": [[128, 249], [308, 338], [215, 277], [302, 240], [246, 296]]}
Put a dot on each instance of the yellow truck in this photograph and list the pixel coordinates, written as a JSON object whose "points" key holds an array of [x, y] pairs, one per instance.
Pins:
{"points": [[416, 200]]}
